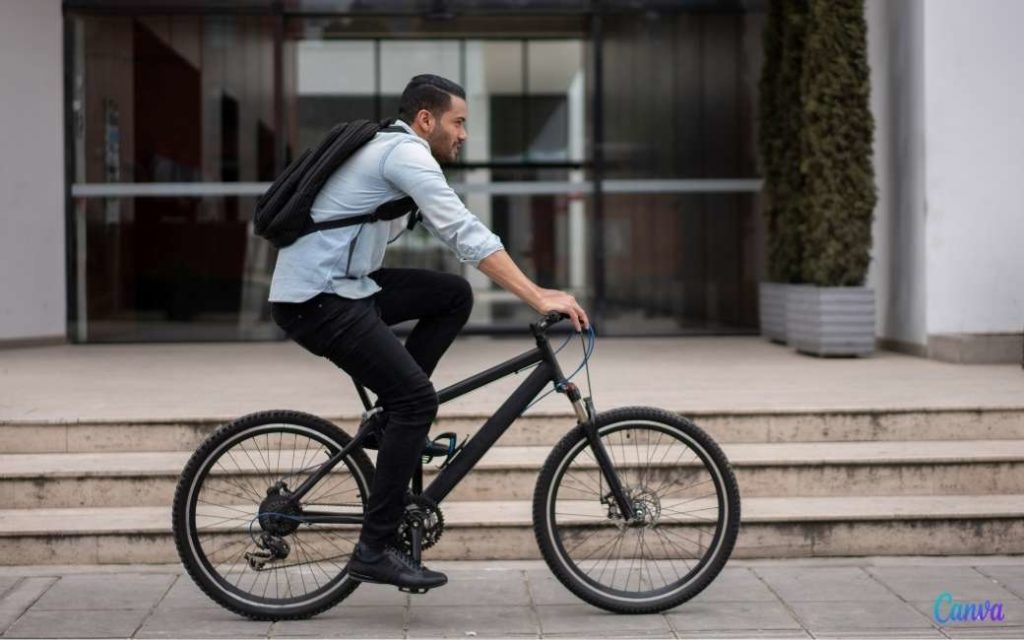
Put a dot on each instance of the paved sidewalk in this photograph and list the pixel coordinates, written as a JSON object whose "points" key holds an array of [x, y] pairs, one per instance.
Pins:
{"points": [[848, 597], [91, 383]]}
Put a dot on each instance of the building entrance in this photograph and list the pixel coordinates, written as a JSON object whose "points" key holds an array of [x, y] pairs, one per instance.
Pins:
{"points": [[613, 153]]}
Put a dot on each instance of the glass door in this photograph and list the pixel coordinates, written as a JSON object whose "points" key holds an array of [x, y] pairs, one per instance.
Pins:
{"points": [[174, 132], [613, 153]]}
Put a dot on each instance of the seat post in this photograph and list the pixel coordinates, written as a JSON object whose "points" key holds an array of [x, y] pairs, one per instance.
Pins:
{"points": [[417, 478], [362, 396]]}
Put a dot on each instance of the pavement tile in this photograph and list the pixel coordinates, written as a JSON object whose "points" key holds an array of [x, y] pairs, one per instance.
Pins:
{"points": [[20, 597], [201, 623], [185, 594], [735, 584], [545, 589], [858, 615], [6, 582], [724, 374], [567, 619], [96, 623], [1010, 577], [918, 583], [990, 632], [346, 622], [810, 584], [780, 634], [506, 588], [476, 621], [881, 634], [106, 591], [376, 595], [617, 635], [727, 616]]}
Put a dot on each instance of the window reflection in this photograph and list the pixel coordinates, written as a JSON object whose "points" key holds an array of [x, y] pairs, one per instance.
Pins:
{"points": [[183, 100], [189, 100]]}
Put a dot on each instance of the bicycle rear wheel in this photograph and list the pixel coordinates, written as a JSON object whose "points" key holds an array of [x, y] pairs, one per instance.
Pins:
{"points": [[235, 533], [684, 492]]}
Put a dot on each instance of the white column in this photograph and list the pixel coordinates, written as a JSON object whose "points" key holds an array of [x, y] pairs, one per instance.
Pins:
{"points": [[476, 150], [32, 253], [577, 246]]}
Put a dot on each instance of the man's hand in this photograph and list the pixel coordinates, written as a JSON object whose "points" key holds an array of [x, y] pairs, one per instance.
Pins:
{"points": [[554, 300], [499, 267]]}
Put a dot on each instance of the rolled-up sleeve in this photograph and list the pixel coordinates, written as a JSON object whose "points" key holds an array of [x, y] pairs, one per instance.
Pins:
{"points": [[411, 168]]}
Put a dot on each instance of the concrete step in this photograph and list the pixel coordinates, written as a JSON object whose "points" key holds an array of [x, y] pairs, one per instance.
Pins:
{"points": [[546, 429], [771, 527], [510, 472]]}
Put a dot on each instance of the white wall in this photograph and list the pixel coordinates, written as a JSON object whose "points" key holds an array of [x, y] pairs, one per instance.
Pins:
{"points": [[974, 117], [32, 271], [898, 268], [947, 96]]}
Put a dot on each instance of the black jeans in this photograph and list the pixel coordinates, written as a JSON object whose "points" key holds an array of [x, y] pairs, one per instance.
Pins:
{"points": [[354, 334]]}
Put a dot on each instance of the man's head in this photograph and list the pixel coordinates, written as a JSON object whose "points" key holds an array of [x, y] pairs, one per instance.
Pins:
{"points": [[436, 110]]}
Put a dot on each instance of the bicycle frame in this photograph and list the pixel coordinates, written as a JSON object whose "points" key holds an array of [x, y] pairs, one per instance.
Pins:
{"points": [[547, 371]]}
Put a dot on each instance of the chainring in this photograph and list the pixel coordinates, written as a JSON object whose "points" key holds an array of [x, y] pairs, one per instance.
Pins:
{"points": [[428, 513]]}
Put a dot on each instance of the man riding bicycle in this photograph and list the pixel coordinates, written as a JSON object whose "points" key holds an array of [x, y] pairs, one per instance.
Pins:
{"points": [[331, 295]]}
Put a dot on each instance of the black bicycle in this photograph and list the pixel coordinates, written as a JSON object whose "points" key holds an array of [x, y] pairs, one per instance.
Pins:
{"points": [[636, 509]]}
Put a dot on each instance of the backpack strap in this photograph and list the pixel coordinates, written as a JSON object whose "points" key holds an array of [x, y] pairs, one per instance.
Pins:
{"points": [[387, 211]]}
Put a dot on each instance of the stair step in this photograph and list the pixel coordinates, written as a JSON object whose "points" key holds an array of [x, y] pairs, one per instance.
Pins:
{"points": [[771, 527], [510, 473], [546, 429]]}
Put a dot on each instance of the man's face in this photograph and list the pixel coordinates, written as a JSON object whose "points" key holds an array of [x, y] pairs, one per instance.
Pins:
{"points": [[449, 132]]}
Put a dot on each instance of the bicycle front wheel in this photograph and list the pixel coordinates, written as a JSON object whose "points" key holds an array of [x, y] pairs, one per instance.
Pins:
{"points": [[686, 503], [240, 538]]}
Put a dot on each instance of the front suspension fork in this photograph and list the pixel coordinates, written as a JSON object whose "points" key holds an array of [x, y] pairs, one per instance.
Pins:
{"points": [[585, 413]]}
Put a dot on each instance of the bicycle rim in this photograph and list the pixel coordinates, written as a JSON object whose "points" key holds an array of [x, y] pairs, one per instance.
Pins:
{"points": [[226, 526], [677, 487]]}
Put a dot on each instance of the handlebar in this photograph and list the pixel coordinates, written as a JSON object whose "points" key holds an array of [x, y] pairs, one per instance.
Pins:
{"points": [[547, 320]]}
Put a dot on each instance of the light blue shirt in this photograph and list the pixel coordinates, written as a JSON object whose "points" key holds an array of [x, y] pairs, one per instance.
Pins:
{"points": [[390, 166]]}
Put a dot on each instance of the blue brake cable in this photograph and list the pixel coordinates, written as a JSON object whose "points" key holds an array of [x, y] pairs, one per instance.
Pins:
{"points": [[588, 349]]}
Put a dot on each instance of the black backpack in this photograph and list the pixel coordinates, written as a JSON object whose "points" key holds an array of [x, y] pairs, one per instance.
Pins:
{"points": [[282, 214]]}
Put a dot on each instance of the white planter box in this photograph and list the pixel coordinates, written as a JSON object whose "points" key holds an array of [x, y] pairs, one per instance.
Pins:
{"points": [[772, 306], [831, 321]]}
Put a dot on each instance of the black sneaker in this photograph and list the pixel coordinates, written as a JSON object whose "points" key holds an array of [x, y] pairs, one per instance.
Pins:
{"points": [[392, 566]]}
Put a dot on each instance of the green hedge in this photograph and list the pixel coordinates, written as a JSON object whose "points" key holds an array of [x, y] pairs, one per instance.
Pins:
{"points": [[771, 140], [816, 137]]}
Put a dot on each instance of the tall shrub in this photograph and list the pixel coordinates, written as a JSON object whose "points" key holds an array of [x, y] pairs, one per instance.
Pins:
{"points": [[837, 196], [780, 116], [769, 120]]}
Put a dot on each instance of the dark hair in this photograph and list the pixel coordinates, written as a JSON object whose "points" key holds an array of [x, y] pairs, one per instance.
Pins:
{"points": [[429, 92]]}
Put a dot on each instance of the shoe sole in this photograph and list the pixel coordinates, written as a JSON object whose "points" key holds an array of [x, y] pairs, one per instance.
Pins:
{"points": [[408, 589]]}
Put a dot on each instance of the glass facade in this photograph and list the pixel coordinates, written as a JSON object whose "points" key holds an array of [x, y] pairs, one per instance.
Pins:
{"points": [[613, 154]]}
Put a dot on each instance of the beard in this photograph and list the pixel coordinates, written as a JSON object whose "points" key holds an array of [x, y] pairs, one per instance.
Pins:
{"points": [[444, 147]]}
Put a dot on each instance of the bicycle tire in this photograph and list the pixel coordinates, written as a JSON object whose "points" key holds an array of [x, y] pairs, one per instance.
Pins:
{"points": [[200, 473], [554, 530]]}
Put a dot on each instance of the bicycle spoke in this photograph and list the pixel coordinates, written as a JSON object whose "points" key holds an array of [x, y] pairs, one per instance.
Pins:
{"points": [[278, 558], [672, 492]]}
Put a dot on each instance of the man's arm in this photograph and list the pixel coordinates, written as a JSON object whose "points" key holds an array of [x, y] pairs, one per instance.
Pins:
{"points": [[411, 168], [413, 171], [499, 267]]}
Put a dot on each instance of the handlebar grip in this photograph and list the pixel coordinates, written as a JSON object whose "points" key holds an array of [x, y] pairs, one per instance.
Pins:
{"points": [[549, 319]]}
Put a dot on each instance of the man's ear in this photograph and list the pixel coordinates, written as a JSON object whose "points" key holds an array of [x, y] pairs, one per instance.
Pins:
{"points": [[425, 118]]}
